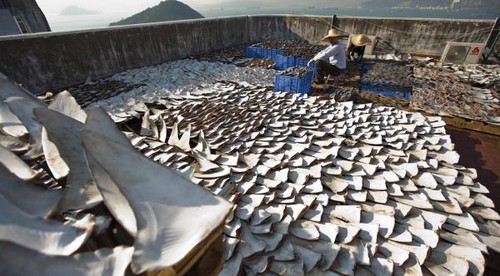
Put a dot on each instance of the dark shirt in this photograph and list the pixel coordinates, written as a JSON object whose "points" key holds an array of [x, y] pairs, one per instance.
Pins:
{"points": [[355, 53]]}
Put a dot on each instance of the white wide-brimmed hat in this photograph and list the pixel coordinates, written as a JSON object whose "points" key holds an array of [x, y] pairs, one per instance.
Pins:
{"points": [[361, 40], [332, 33]]}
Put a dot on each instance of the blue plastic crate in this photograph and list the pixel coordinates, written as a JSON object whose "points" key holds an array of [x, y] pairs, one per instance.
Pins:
{"points": [[303, 62], [388, 90], [284, 62], [257, 52], [293, 84]]}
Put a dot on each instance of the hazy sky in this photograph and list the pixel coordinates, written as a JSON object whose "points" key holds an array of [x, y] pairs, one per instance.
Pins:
{"points": [[133, 6], [108, 11]]}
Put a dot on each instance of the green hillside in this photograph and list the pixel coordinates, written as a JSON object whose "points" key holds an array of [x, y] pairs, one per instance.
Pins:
{"points": [[169, 10]]}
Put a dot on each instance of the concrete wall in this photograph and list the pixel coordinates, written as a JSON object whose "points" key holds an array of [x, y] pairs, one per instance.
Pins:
{"points": [[422, 36], [419, 36], [58, 60]]}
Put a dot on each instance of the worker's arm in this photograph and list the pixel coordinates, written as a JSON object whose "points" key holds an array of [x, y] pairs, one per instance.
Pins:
{"points": [[325, 54]]}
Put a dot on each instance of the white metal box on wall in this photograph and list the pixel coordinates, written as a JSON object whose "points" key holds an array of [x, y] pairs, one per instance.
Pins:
{"points": [[462, 52]]}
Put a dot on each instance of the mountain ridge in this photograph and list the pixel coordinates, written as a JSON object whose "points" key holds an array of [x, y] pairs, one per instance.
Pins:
{"points": [[75, 10], [169, 10]]}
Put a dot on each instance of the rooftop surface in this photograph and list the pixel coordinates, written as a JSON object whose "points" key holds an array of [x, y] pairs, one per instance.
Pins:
{"points": [[481, 151], [359, 185]]}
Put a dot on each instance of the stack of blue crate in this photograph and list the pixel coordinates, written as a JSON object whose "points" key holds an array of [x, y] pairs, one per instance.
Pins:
{"points": [[258, 52], [295, 83], [284, 62], [283, 82]]}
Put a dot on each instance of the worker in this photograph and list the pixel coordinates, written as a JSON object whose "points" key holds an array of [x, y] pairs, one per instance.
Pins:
{"points": [[332, 60], [356, 49]]}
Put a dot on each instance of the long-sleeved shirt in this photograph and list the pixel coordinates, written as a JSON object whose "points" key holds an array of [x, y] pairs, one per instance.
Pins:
{"points": [[356, 53], [334, 54]]}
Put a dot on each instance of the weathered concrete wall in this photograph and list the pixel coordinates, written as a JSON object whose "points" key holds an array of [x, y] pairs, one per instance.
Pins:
{"points": [[422, 36], [57, 60], [309, 28]]}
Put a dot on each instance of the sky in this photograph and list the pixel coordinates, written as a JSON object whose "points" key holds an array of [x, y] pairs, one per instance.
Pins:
{"points": [[115, 10], [128, 6], [108, 11]]}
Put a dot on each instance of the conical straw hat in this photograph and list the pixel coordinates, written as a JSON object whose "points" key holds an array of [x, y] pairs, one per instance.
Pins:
{"points": [[332, 33], [361, 40]]}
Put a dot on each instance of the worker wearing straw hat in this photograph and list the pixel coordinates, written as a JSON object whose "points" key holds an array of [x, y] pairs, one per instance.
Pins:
{"points": [[357, 47], [332, 60]]}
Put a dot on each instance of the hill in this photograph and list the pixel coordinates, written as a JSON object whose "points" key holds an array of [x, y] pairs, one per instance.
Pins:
{"points": [[169, 10], [74, 10]]}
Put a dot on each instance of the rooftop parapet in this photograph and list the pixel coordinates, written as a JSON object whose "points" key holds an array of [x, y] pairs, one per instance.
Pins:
{"points": [[57, 60]]}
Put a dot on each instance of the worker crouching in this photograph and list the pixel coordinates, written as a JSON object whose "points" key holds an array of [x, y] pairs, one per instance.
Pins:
{"points": [[332, 60], [356, 49]]}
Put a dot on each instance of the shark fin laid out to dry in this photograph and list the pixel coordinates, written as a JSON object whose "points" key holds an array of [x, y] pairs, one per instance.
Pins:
{"points": [[56, 164], [65, 104], [173, 215], [14, 144], [49, 237], [99, 122], [81, 191], [40, 201], [19, 260], [21, 103], [9, 123], [16, 165]]}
